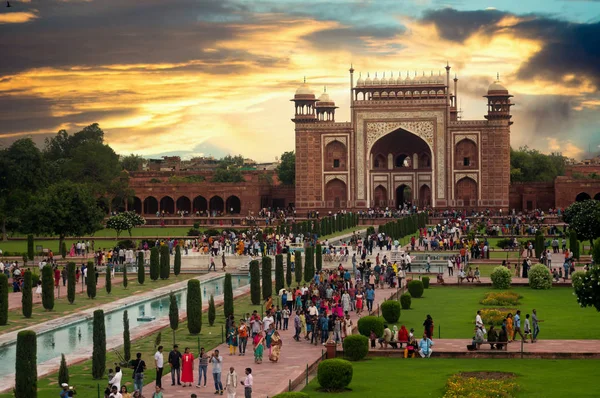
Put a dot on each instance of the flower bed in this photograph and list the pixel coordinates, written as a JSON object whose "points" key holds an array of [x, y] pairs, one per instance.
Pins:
{"points": [[495, 316], [501, 298], [481, 385]]}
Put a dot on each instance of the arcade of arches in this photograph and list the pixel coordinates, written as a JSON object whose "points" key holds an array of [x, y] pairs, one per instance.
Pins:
{"points": [[400, 161], [151, 205], [586, 196]]}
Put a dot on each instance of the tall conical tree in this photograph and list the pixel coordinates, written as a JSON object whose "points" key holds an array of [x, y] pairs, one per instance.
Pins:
{"points": [[279, 276], [26, 365], [3, 299], [309, 266], [141, 271], [99, 350], [319, 257], [126, 337], [154, 263], [165, 262], [125, 281], [173, 314], [298, 266], [108, 285], [254, 282], [63, 371], [267, 284], [194, 306], [177, 262], [71, 282], [30, 250], [227, 295], [212, 312], [91, 280], [288, 270], [27, 296], [47, 288]]}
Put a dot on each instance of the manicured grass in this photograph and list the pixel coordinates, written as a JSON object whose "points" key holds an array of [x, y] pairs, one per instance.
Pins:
{"points": [[394, 377], [454, 308], [62, 307], [209, 338]]}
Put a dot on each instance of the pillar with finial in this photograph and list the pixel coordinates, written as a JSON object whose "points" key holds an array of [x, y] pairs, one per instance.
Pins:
{"points": [[448, 83]]}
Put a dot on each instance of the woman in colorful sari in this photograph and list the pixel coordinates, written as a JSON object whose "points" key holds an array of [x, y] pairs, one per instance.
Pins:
{"points": [[509, 326], [269, 337], [72, 252], [276, 344], [259, 347]]}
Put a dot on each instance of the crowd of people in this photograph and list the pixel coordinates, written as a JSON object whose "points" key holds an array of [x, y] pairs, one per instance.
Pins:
{"points": [[512, 325]]}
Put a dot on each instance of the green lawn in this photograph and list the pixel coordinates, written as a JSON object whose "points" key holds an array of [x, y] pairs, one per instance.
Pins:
{"points": [[62, 307], [394, 377], [210, 337], [454, 308]]}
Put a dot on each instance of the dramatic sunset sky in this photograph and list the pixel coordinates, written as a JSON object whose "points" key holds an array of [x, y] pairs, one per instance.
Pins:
{"points": [[201, 77]]}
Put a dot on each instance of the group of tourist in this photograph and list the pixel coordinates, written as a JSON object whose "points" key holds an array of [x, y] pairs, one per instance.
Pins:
{"points": [[512, 325]]}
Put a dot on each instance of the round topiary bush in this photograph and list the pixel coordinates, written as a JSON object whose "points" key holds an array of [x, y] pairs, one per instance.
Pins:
{"points": [[356, 347], [415, 288], [501, 277], [334, 374], [292, 394], [577, 278], [425, 280], [368, 323], [405, 301], [540, 277], [390, 310]]}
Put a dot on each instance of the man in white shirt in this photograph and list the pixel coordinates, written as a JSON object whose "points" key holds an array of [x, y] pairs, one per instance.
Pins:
{"points": [[268, 321], [479, 321], [114, 393], [217, 361], [312, 310], [247, 383], [116, 380], [159, 362], [231, 383]]}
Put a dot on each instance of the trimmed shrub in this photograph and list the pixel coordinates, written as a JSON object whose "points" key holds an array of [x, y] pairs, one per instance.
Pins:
{"points": [[595, 252], [3, 299], [126, 338], [99, 352], [63, 371], [212, 313], [63, 250], [154, 263], [125, 281], [279, 276], [356, 347], [30, 248], [108, 285], [177, 261], [334, 374], [71, 282], [390, 310], [27, 296], [165, 262], [227, 295], [319, 258], [141, 270], [501, 277], [298, 266], [405, 301], [577, 279], [288, 271], [254, 282], [501, 299], [267, 284], [368, 323], [309, 266], [26, 365], [540, 277], [574, 244], [194, 306], [91, 280], [425, 281], [47, 288], [415, 288], [173, 312], [292, 394]]}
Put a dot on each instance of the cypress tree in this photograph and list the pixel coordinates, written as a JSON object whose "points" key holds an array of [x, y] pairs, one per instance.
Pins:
{"points": [[165, 262], [126, 337], [173, 314], [279, 276], [26, 365], [319, 255], [212, 313], [27, 296], [125, 281], [91, 280], [309, 266], [71, 282], [63, 250], [539, 244], [177, 264], [30, 247], [47, 288], [228, 295], [267, 284], [141, 270], [574, 244], [298, 266], [99, 351], [154, 263], [288, 271], [63, 371], [254, 282], [108, 285], [3, 299], [194, 306]]}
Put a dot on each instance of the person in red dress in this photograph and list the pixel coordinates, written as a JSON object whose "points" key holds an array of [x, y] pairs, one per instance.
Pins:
{"points": [[56, 276], [187, 367]]}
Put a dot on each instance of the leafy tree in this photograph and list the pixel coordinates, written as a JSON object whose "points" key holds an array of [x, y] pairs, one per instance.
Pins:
{"points": [[288, 271], [194, 306], [286, 170], [212, 312], [141, 270], [173, 314], [26, 365], [63, 371], [134, 220], [279, 276], [30, 247], [99, 350], [584, 219], [154, 263], [227, 295], [108, 284], [254, 282], [91, 280], [132, 162], [119, 223], [298, 266], [47, 288], [165, 262], [227, 174], [267, 285], [3, 299], [71, 282], [27, 296], [64, 209], [177, 263], [126, 337], [528, 165]]}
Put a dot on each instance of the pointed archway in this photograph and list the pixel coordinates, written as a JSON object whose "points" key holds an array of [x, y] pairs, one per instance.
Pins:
{"points": [[380, 196]]}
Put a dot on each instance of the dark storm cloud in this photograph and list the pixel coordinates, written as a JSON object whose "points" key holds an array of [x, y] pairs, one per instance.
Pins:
{"points": [[567, 47], [107, 32], [542, 117]]}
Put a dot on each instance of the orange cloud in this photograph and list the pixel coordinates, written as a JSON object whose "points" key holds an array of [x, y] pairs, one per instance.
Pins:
{"points": [[17, 17]]}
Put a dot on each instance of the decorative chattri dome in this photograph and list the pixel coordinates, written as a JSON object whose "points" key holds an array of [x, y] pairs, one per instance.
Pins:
{"points": [[360, 81], [325, 100], [368, 79], [440, 78], [375, 79], [384, 81], [304, 90], [408, 79], [496, 86], [399, 80]]}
